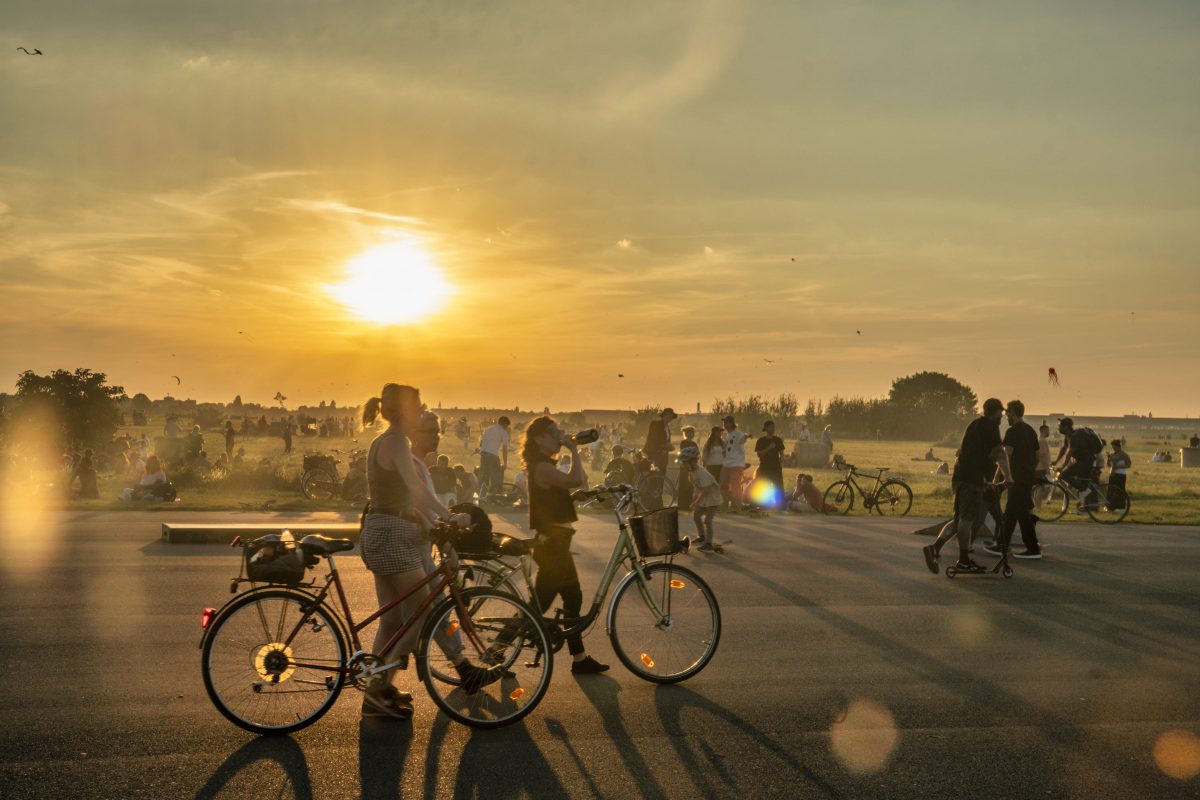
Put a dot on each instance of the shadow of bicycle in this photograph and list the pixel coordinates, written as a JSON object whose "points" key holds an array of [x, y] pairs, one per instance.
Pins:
{"points": [[283, 750]]}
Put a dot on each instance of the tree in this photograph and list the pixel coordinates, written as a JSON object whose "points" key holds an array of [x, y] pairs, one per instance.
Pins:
{"points": [[140, 402], [928, 404], [72, 406]]}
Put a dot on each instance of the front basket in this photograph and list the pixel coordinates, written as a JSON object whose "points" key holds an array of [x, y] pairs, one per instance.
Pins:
{"points": [[656, 533]]}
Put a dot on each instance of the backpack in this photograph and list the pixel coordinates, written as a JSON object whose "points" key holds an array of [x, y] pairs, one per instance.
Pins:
{"points": [[1094, 440]]}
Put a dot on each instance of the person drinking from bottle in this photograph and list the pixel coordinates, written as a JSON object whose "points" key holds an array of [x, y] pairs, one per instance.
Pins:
{"points": [[551, 512]]}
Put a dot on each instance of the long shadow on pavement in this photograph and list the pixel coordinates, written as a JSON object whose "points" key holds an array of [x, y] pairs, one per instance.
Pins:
{"points": [[280, 749], [382, 749]]}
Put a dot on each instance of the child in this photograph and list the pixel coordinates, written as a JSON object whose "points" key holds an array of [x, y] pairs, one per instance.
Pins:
{"points": [[706, 498], [1120, 464]]}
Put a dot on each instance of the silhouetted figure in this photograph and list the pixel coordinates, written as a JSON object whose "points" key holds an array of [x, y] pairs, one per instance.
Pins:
{"points": [[85, 471], [287, 437], [230, 435]]}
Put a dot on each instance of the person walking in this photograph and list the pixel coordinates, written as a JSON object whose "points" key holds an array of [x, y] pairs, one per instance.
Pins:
{"points": [[402, 505], [769, 449], [658, 448], [493, 456], [551, 514], [1021, 444], [733, 467], [980, 446], [230, 435], [707, 499]]}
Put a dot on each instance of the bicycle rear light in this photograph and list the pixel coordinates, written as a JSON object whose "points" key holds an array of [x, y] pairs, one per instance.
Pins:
{"points": [[206, 617]]}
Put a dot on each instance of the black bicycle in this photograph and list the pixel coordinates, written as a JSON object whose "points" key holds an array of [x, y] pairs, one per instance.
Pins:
{"points": [[892, 497]]}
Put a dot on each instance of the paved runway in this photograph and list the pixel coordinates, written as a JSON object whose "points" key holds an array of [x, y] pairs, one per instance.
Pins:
{"points": [[845, 670]]}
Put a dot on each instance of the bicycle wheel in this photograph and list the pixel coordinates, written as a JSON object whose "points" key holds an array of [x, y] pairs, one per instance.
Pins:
{"points": [[676, 645], [839, 496], [1057, 501], [488, 575], [894, 499], [267, 672], [318, 484], [494, 630], [1111, 507], [653, 493]]}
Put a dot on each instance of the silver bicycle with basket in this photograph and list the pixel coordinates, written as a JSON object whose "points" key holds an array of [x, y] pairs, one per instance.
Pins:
{"points": [[663, 619]]}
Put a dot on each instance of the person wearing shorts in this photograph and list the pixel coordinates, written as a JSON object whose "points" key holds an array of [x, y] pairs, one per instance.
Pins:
{"points": [[981, 445], [394, 549]]}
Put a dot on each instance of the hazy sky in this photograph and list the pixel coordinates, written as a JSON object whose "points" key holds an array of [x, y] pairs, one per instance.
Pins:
{"points": [[675, 192]]}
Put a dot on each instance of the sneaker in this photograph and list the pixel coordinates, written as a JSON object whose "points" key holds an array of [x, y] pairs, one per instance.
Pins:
{"points": [[1030, 554], [380, 704], [931, 558], [968, 566], [718, 548], [995, 550], [397, 696], [706, 547], [475, 678], [588, 666]]}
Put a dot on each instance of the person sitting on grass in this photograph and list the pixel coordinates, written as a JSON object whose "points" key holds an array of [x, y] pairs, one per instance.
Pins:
{"points": [[85, 471], [806, 497]]}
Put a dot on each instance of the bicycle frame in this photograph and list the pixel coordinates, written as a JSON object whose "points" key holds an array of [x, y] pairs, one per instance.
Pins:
{"points": [[853, 473]]}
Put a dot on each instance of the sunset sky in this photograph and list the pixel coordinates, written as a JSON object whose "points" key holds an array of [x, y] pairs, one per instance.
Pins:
{"points": [[675, 192]]}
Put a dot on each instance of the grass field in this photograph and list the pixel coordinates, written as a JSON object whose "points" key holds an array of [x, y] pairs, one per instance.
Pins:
{"points": [[1160, 493]]}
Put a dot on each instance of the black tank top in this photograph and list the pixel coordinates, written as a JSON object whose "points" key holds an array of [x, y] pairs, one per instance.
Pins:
{"points": [[549, 507], [389, 493]]}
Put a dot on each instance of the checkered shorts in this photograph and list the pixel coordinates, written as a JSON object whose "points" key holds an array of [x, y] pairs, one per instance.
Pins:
{"points": [[391, 544]]}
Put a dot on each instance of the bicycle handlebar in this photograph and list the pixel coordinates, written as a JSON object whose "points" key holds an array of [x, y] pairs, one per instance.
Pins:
{"points": [[591, 494]]}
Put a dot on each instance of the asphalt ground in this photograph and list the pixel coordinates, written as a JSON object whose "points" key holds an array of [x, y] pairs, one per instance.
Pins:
{"points": [[845, 670]]}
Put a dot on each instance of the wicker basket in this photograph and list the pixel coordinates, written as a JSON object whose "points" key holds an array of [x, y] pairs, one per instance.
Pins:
{"points": [[656, 533]]}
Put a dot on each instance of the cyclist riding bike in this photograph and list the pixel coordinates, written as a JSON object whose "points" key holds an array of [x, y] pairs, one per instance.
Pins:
{"points": [[1078, 454]]}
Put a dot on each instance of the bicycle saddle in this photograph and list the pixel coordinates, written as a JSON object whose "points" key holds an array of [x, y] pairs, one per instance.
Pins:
{"points": [[512, 546], [322, 545]]}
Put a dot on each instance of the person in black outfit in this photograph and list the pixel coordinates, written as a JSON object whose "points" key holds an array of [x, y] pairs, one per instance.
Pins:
{"points": [[769, 448], [980, 443], [1021, 443], [551, 512], [658, 446], [230, 435], [1078, 455]]}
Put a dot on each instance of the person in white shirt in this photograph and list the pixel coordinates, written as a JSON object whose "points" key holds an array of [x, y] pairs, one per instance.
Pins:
{"points": [[493, 456], [733, 468]]}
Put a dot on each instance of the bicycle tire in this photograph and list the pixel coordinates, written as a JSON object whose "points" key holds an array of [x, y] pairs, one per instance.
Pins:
{"points": [[840, 495], [1114, 507], [1056, 503], [498, 630], [242, 655], [671, 650], [894, 498], [318, 484]]}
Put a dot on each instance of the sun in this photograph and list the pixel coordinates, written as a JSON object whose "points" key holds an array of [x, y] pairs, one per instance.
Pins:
{"points": [[393, 284]]}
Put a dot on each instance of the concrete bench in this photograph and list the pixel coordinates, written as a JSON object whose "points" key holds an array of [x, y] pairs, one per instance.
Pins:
{"points": [[1189, 457], [223, 533]]}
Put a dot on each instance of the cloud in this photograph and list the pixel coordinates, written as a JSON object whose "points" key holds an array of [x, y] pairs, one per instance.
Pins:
{"points": [[708, 251], [624, 244]]}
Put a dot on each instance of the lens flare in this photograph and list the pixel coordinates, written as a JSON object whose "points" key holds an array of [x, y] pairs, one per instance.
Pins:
{"points": [[1177, 754], [865, 739], [32, 490], [764, 493]]}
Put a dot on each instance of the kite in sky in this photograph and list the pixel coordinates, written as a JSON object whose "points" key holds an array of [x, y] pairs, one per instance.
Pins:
{"points": [[35, 52], [1052, 376], [177, 381]]}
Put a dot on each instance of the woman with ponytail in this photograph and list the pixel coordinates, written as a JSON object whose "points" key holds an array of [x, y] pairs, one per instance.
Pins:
{"points": [[393, 548]]}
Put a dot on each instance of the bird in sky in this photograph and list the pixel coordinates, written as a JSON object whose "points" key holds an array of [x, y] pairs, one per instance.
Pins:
{"points": [[859, 333], [769, 361], [35, 52]]}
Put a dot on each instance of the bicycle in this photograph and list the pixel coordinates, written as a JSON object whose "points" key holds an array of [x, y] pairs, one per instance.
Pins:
{"points": [[652, 484], [892, 496], [663, 620], [275, 658], [1106, 504], [321, 479]]}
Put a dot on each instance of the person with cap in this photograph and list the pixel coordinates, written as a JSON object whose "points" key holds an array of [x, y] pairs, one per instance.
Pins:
{"points": [[1021, 444], [658, 445], [769, 449], [707, 496], [733, 468], [980, 446]]}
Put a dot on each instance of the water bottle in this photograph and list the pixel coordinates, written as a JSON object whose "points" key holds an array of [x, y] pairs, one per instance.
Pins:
{"points": [[585, 437]]}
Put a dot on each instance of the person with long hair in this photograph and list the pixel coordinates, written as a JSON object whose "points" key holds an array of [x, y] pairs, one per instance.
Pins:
{"points": [[393, 548], [551, 512], [714, 452]]}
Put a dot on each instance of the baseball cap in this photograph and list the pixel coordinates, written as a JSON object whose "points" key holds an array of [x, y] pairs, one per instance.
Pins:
{"points": [[991, 406], [727, 418], [689, 453], [1067, 421]]}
